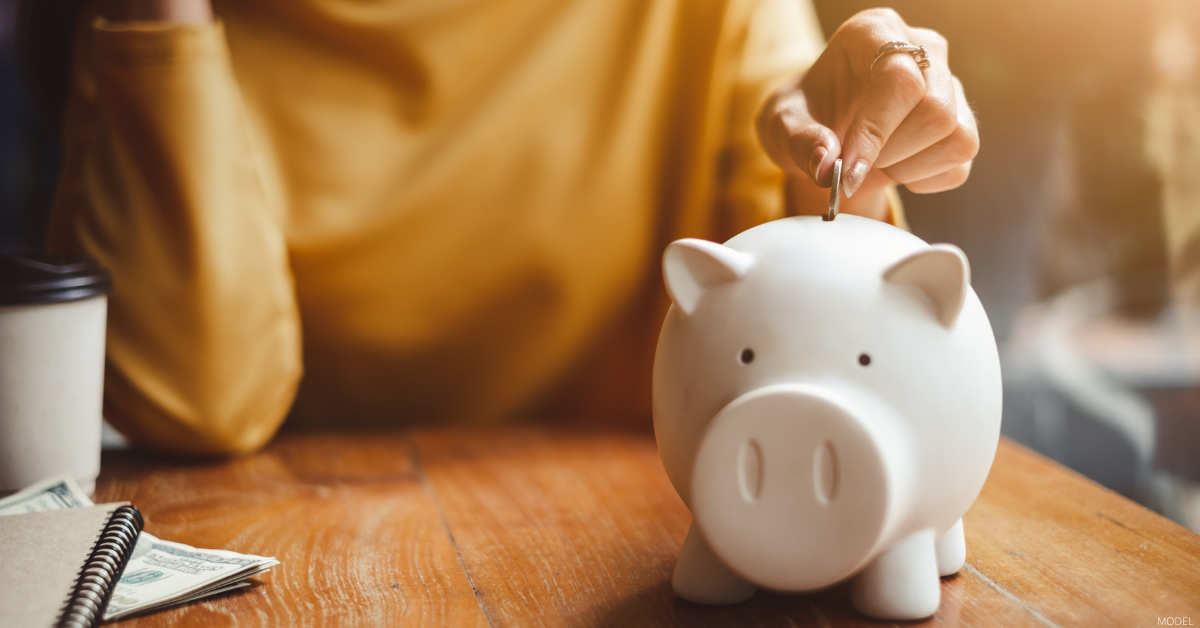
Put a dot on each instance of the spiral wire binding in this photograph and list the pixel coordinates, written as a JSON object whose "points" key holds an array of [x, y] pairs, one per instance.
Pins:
{"points": [[85, 606]]}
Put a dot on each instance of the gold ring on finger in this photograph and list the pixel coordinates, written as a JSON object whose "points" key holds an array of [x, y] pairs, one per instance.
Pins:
{"points": [[917, 52]]}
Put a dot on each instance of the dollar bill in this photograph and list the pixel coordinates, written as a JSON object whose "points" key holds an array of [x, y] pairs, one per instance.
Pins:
{"points": [[159, 573], [54, 493], [169, 573]]}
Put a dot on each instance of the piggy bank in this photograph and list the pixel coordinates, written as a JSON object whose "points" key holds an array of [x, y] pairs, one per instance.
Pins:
{"points": [[827, 403]]}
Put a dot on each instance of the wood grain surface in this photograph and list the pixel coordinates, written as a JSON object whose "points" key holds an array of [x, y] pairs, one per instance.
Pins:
{"points": [[536, 526]]}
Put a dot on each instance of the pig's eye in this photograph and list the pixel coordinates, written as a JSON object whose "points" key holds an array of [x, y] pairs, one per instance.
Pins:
{"points": [[747, 356], [864, 359]]}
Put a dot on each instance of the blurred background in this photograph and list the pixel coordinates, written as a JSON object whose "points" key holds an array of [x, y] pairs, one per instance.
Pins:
{"points": [[1081, 220]]}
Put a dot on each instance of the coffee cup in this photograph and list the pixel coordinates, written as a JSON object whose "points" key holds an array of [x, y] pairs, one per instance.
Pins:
{"points": [[52, 323]]}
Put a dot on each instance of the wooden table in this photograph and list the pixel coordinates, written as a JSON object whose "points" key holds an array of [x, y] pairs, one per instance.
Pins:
{"points": [[534, 526]]}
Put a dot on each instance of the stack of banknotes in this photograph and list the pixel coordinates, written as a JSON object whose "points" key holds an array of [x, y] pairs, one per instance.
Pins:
{"points": [[160, 573]]}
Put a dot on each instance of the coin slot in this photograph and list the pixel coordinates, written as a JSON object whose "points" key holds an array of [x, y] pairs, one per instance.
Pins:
{"points": [[750, 469]]}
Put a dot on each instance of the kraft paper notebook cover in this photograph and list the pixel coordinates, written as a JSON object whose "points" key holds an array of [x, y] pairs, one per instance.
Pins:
{"points": [[58, 568]]}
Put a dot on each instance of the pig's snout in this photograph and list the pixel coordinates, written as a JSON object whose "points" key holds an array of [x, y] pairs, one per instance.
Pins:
{"points": [[793, 488]]}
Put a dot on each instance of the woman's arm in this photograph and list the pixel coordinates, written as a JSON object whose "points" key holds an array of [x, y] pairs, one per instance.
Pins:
{"points": [[165, 185]]}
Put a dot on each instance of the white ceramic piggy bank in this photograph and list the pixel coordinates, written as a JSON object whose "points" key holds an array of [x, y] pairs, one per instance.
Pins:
{"points": [[827, 402]]}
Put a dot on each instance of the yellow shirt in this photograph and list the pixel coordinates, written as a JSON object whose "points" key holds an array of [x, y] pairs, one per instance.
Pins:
{"points": [[442, 205]]}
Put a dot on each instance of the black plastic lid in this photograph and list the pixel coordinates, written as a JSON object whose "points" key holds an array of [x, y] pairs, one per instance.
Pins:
{"points": [[50, 279]]}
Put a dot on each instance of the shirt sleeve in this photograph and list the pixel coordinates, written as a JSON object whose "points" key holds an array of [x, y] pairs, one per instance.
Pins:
{"points": [[163, 184], [782, 39]]}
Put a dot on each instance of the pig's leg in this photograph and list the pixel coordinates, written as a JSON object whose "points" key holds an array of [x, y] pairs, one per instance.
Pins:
{"points": [[702, 578], [901, 583], [951, 551]]}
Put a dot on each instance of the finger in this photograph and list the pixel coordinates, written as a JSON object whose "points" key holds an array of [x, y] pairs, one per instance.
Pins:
{"points": [[941, 182], [957, 148], [896, 88], [794, 141], [935, 116]]}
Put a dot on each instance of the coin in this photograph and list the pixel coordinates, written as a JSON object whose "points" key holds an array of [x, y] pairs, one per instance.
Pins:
{"points": [[835, 193]]}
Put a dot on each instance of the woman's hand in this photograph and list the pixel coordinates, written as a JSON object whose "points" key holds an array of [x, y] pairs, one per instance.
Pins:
{"points": [[172, 11], [891, 123]]}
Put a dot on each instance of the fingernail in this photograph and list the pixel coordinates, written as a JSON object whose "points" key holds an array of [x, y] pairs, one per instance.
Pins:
{"points": [[854, 178], [815, 161]]}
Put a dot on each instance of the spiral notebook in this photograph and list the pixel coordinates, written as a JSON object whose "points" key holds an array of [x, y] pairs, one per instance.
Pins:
{"points": [[58, 568]]}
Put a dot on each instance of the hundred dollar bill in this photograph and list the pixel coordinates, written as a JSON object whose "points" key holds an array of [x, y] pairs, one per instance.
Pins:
{"points": [[159, 573], [54, 493], [169, 573]]}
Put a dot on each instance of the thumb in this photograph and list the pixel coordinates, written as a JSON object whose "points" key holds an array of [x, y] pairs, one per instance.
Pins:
{"points": [[796, 142]]}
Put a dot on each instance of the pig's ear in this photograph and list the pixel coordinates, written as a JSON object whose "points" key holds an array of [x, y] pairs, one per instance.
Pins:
{"points": [[692, 266], [941, 273]]}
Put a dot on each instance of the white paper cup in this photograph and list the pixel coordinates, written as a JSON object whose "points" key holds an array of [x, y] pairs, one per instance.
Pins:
{"points": [[52, 324]]}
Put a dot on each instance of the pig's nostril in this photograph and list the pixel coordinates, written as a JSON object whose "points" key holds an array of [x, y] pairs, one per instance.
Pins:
{"points": [[825, 473], [750, 469]]}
